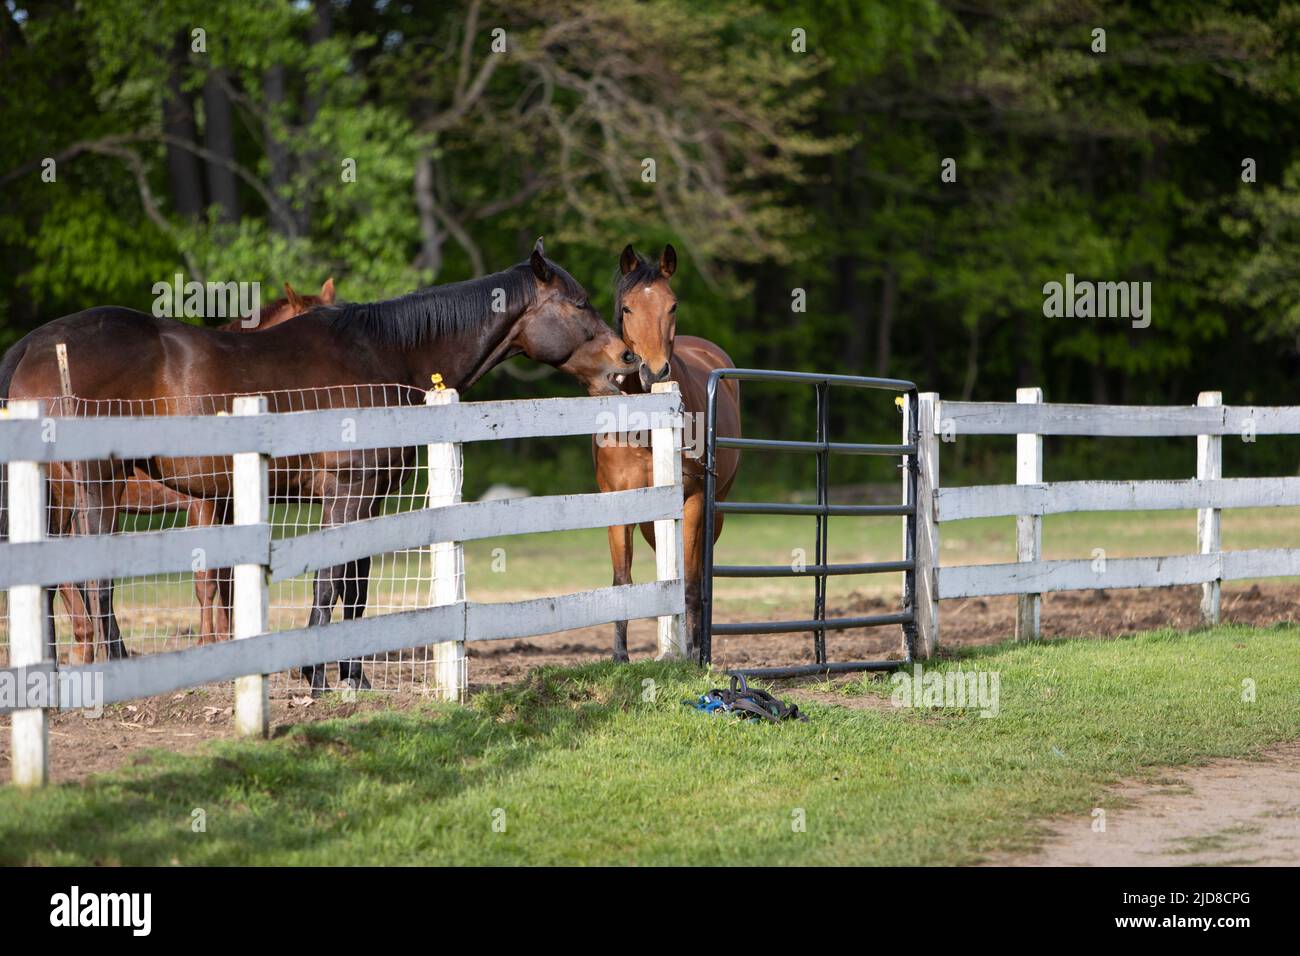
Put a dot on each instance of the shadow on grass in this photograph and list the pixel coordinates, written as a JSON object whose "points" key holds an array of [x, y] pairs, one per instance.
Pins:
{"points": [[288, 796]]}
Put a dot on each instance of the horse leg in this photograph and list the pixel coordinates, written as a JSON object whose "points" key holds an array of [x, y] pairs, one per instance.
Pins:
{"points": [[51, 638], [77, 604], [59, 524], [223, 578], [101, 497], [356, 588], [75, 600], [326, 589], [200, 513], [205, 590], [225, 584], [620, 555], [693, 557]]}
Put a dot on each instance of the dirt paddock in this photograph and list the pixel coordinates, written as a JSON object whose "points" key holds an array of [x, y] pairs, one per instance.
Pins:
{"points": [[184, 721]]}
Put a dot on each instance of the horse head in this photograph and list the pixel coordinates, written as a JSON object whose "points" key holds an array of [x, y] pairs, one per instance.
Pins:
{"points": [[559, 327], [646, 310]]}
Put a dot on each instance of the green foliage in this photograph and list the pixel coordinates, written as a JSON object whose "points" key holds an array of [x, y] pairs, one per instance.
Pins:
{"points": [[775, 170]]}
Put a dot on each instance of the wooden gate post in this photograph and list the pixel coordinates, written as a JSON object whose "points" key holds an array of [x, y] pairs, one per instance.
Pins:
{"points": [[27, 645], [1029, 528], [666, 447], [1209, 467], [445, 473], [251, 597], [926, 553]]}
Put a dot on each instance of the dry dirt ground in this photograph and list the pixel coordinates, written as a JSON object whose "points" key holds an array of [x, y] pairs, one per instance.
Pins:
{"points": [[1229, 812], [1226, 813]]}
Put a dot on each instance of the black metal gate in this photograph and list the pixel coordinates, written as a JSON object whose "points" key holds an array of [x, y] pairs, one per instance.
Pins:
{"points": [[823, 510]]}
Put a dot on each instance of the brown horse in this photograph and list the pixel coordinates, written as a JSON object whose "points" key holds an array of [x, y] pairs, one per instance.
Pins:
{"points": [[647, 319], [141, 494], [352, 355]]}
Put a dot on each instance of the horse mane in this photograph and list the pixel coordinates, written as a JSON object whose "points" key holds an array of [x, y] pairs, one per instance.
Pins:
{"points": [[412, 320], [277, 304], [646, 271]]}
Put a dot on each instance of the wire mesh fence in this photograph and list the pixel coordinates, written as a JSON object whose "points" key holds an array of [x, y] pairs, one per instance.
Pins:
{"points": [[164, 612]]}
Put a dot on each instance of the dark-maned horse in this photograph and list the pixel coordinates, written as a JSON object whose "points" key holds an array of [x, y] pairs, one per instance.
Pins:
{"points": [[141, 494], [353, 355], [646, 311]]}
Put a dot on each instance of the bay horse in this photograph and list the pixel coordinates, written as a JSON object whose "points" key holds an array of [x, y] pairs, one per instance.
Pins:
{"points": [[646, 312], [141, 494], [352, 355]]}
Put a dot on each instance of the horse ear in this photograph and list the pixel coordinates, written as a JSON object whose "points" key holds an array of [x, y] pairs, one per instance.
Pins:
{"points": [[627, 261], [538, 260], [292, 296], [327, 291], [667, 261]]}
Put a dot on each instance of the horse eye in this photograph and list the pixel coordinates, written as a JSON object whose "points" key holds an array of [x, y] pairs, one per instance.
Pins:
{"points": [[626, 310], [674, 308]]}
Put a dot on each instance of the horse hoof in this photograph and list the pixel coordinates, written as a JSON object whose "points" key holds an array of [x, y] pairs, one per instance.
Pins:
{"points": [[621, 658]]}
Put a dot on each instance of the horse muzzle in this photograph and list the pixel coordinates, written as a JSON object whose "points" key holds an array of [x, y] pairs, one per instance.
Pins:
{"points": [[649, 378]]}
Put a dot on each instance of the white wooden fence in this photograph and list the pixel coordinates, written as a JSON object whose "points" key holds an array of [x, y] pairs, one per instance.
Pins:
{"points": [[29, 561], [1029, 419]]}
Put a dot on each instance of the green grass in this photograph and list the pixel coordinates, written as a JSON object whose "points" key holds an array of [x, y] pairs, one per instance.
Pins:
{"points": [[586, 770], [541, 564], [534, 565]]}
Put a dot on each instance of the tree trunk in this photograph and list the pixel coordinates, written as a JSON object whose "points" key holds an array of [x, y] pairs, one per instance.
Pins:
{"points": [[219, 138], [884, 328], [972, 362], [321, 28], [183, 172], [11, 35], [1100, 394], [277, 154], [854, 305], [930, 355], [431, 236], [1024, 363]]}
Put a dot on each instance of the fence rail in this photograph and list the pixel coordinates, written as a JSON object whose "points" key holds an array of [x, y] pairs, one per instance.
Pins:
{"points": [[30, 562], [1128, 421], [984, 580], [1029, 419], [994, 501]]}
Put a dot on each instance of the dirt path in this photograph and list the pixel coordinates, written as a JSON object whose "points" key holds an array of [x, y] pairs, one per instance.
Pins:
{"points": [[1227, 813]]}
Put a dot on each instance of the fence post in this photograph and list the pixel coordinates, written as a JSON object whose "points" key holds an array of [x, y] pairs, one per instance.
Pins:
{"points": [[926, 552], [1209, 466], [445, 472], [30, 729], [1029, 528], [666, 447], [250, 498]]}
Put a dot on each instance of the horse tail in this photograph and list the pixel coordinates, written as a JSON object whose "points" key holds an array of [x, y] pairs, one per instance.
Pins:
{"points": [[8, 367]]}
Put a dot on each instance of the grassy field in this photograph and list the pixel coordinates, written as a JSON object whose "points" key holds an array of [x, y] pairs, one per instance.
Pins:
{"points": [[569, 561], [586, 766], [525, 566]]}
